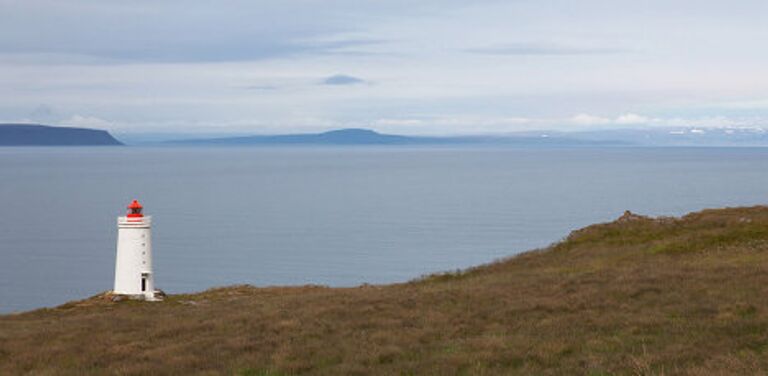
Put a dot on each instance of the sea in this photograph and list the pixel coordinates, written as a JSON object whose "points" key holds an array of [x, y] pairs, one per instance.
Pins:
{"points": [[336, 216]]}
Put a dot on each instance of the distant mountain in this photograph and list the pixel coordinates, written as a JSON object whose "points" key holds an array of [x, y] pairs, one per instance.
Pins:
{"points": [[43, 135], [691, 136], [677, 136], [337, 137], [368, 137]]}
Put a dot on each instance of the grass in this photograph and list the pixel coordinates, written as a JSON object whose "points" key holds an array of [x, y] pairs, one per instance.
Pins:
{"points": [[638, 296]]}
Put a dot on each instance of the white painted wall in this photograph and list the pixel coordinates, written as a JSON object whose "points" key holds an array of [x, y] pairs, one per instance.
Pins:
{"points": [[134, 257]]}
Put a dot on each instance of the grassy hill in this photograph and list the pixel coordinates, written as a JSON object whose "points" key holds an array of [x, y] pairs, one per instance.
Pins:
{"points": [[636, 296]]}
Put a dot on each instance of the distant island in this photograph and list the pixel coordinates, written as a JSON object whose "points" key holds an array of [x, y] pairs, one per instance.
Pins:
{"points": [[356, 136], [654, 137], [44, 135]]}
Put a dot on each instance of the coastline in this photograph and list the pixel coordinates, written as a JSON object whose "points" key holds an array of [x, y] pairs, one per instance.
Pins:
{"points": [[638, 294]]}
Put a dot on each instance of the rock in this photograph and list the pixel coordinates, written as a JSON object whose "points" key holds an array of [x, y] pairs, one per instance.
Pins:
{"points": [[629, 216]]}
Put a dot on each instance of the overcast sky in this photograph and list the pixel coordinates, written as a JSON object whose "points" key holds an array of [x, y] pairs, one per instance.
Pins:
{"points": [[414, 67]]}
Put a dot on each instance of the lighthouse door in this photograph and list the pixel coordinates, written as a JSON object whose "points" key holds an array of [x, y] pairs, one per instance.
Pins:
{"points": [[143, 283]]}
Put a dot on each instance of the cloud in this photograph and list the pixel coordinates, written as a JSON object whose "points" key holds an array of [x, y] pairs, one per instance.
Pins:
{"points": [[87, 122], [245, 61], [44, 114], [342, 79], [340, 45], [586, 119], [630, 118], [756, 104], [522, 49], [260, 87], [399, 122], [446, 124], [142, 33]]}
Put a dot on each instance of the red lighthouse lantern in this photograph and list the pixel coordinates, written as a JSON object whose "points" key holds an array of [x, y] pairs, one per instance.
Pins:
{"points": [[134, 210]]}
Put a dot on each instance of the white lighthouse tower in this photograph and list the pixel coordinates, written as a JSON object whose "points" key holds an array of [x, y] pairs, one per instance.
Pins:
{"points": [[133, 264]]}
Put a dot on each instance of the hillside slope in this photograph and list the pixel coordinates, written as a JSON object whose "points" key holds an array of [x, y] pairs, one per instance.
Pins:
{"points": [[636, 296]]}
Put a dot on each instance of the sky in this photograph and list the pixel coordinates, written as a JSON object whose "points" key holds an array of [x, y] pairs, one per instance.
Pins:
{"points": [[434, 67]]}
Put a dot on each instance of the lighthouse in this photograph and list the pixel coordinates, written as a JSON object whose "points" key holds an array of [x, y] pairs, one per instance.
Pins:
{"points": [[133, 264]]}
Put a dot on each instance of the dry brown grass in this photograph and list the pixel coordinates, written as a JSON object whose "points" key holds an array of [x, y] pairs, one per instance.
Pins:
{"points": [[638, 296]]}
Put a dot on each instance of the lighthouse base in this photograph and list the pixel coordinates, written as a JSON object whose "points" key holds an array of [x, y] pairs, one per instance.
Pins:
{"points": [[152, 297], [155, 296]]}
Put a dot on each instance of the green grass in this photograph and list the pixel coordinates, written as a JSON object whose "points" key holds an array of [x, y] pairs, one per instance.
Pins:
{"points": [[638, 296]]}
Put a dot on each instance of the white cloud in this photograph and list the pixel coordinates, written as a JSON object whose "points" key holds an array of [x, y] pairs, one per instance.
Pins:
{"points": [[632, 119], [706, 122], [586, 119], [757, 104], [398, 122], [457, 120], [87, 122], [629, 119]]}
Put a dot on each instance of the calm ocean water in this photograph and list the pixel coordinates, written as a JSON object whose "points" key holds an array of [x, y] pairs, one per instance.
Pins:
{"points": [[334, 216]]}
